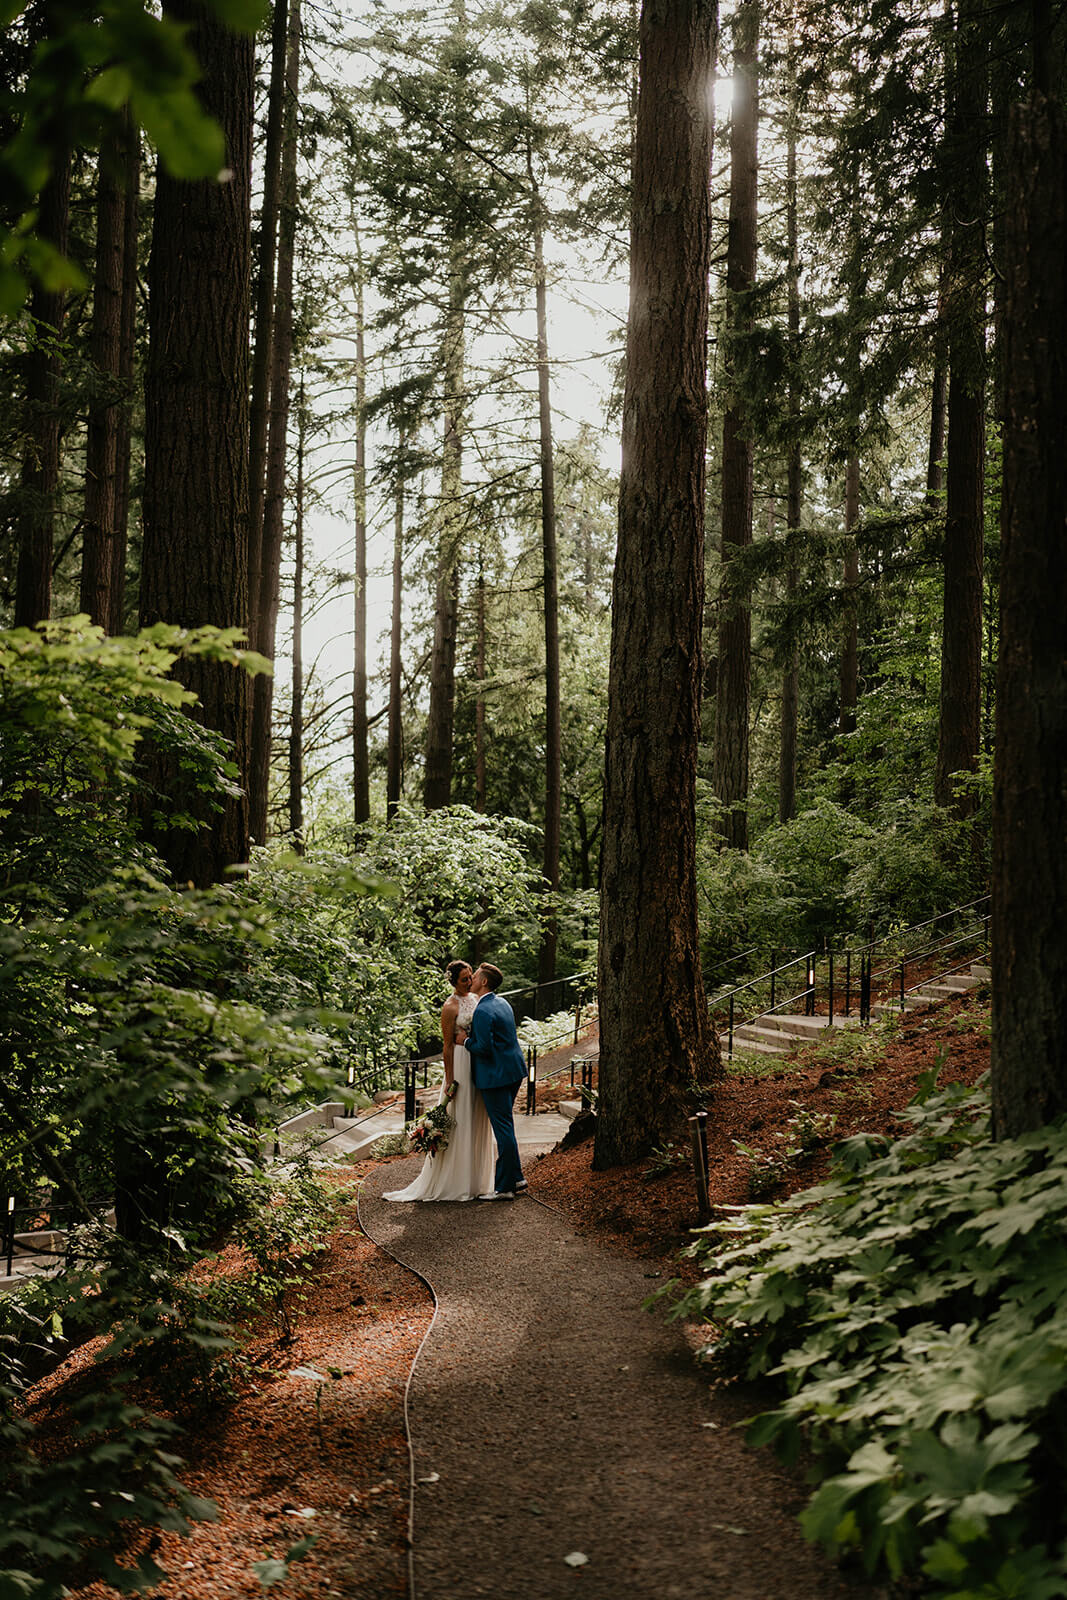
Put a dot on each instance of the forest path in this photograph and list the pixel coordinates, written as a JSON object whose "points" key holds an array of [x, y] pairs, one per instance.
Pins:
{"points": [[550, 1415]]}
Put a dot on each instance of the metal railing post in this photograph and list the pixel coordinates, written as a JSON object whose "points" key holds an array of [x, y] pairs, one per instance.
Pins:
{"points": [[410, 1069], [809, 998], [700, 1171], [730, 1031], [531, 1080], [848, 982], [865, 989], [830, 1018]]}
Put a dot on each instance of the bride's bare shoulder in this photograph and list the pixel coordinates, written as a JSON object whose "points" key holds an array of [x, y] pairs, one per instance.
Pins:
{"points": [[451, 1006]]}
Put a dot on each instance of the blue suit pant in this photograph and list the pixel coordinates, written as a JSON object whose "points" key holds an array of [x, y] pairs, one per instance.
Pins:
{"points": [[498, 1103]]}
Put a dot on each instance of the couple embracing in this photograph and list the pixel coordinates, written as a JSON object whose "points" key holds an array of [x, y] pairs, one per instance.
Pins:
{"points": [[484, 1060]]}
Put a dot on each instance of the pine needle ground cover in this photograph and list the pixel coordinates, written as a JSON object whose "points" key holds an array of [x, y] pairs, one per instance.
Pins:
{"points": [[912, 1310]]}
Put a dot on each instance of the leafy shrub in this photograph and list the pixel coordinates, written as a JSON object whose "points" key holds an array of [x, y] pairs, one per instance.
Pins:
{"points": [[912, 1309]]}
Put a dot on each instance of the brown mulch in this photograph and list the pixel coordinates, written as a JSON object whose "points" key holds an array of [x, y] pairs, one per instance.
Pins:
{"points": [[649, 1214], [271, 1456], [282, 1462]]}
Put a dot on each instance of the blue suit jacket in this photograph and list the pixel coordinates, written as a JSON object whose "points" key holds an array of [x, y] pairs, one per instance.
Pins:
{"points": [[497, 1060]]}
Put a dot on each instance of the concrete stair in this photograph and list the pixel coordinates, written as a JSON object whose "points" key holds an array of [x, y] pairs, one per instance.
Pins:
{"points": [[938, 990], [777, 1033]]}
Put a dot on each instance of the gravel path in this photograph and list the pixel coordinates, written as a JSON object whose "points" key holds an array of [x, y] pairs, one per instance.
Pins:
{"points": [[554, 1417]]}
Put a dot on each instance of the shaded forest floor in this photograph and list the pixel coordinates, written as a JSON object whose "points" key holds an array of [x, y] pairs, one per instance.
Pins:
{"points": [[291, 1457]]}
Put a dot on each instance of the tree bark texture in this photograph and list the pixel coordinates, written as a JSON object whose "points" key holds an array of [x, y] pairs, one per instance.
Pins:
{"points": [[259, 413], [263, 624], [787, 749], [733, 678], [437, 788], [296, 720], [961, 634], [1029, 1068], [479, 704], [546, 967], [850, 638], [394, 759], [195, 558], [360, 752], [41, 459], [127, 355], [99, 541], [652, 1052]]}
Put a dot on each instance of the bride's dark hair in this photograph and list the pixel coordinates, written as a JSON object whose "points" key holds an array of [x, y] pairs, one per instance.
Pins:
{"points": [[453, 970]]}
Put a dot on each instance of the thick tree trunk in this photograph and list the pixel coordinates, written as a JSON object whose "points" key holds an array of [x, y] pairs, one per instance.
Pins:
{"points": [[935, 456], [787, 752], [1030, 772], [127, 354], [102, 436], [850, 653], [652, 1052], [194, 564], [296, 720], [961, 633], [264, 624], [546, 966], [437, 787], [395, 750], [735, 618], [360, 753], [479, 704], [41, 460], [259, 412]]}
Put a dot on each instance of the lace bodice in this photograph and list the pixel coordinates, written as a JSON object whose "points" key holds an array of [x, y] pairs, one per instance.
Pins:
{"points": [[467, 1003]]}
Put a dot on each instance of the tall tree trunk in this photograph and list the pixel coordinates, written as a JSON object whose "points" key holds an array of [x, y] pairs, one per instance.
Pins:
{"points": [[935, 455], [101, 444], [127, 355], [265, 287], [264, 624], [787, 752], [395, 750], [850, 656], [195, 559], [437, 789], [41, 460], [360, 753], [1030, 770], [546, 967], [296, 721], [651, 1054], [961, 634], [479, 704], [735, 619]]}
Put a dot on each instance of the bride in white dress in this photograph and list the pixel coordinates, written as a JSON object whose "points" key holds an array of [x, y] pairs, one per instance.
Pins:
{"points": [[465, 1168]]}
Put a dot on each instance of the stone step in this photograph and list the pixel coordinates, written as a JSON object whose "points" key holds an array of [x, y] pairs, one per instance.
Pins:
{"points": [[771, 1041], [800, 1026], [891, 1008], [756, 1047], [943, 991], [982, 972]]}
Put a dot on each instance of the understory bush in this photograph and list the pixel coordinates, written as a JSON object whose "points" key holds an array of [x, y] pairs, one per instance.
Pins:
{"points": [[912, 1309], [76, 1481]]}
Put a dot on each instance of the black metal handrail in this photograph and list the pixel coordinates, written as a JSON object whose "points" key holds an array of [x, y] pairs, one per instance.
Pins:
{"points": [[972, 938]]}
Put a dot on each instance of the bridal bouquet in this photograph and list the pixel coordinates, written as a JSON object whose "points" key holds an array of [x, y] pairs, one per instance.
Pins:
{"points": [[430, 1134]]}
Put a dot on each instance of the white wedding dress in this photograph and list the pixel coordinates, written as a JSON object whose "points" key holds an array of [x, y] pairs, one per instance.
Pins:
{"points": [[465, 1168]]}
